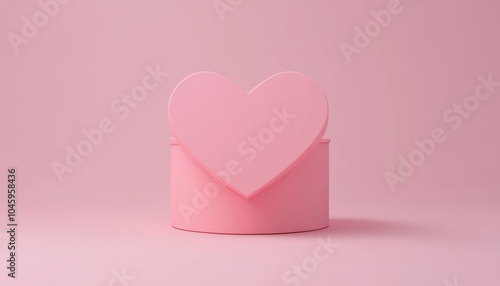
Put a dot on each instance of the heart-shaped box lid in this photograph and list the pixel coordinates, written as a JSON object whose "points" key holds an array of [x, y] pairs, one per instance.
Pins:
{"points": [[248, 140]]}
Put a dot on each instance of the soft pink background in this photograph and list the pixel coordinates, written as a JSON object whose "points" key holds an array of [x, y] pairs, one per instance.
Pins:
{"points": [[112, 211]]}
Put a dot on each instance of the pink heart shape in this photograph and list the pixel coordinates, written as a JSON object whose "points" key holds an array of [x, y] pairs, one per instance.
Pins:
{"points": [[248, 140]]}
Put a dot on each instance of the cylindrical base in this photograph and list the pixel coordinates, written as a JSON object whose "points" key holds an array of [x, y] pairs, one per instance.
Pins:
{"points": [[296, 202]]}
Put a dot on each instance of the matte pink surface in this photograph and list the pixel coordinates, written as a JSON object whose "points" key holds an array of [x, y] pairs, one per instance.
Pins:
{"points": [[254, 138], [113, 210], [298, 201]]}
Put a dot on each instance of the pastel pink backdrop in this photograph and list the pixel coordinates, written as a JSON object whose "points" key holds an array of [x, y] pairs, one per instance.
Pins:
{"points": [[112, 211]]}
